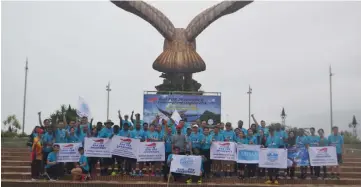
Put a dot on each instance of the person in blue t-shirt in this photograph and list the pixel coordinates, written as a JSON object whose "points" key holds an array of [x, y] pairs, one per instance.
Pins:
{"points": [[262, 126], [106, 132], [71, 137], [241, 139], [252, 140], [323, 142], [302, 142], [228, 134], [217, 136], [168, 163], [48, 139], [313, 141], [53, 168], [336, 140], [205, 150], [273, 141], [197, 152], [281, 134], [240, 126], [81, 171], [195, 138], [137, 132], [151, 134]]}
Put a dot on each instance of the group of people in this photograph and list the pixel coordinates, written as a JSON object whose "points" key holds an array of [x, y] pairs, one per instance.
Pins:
{"points": [[184, 138]]}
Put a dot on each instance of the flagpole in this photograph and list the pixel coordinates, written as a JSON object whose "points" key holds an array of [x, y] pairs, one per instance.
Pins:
{"points": [[331, 111], [108, 90], [26, 82], [249, 105]]}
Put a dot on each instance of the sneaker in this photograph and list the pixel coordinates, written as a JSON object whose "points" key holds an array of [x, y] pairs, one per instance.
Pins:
{"points": [[52, 180], [200, 181], [33, 179], [140, 173], [268, 182], [114, 173], [189, 181], [275, 182], [319, 178], [288, 178]]}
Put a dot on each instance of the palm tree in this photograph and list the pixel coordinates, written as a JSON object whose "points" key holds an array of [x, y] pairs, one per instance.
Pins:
{"points": [[12, 124]]}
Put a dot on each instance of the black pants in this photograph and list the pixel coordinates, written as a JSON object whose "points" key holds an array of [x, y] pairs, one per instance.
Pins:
{"points": [[303, 171], [36, 168], [120, 162], [92, 163], [291, 172], [69, 166], [272, 173], [318, 171], [129, 162], [251, 170], [45, 159], [312, 169], [207, 164], [262, 172], [54, 171]]}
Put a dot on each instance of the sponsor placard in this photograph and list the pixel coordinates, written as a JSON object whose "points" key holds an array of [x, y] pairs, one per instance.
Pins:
{"points": [[248, 154], [124, 146], [68, 152], [298, 155], [323, 156], [97, 147], [187, 165], [151, 151], [273, 158], [223, 151]]}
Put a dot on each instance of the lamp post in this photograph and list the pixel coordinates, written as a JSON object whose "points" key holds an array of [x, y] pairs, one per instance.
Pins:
{"points": [[331, 112], [283, 117], [108, 90], [249, 105], [26, 83]]}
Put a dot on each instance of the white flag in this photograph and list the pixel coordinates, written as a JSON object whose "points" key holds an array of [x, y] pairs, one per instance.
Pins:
{"points": [[176, 117], [83, 108]]}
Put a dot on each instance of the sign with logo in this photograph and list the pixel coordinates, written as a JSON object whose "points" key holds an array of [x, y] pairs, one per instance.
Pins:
{"points": [[68, 152], [299, 155], [273, 158], [190, 107], [151, 151], [223, 151], [248, 154], [97, 147], [187, 165], [323, 156], [125, 147]]}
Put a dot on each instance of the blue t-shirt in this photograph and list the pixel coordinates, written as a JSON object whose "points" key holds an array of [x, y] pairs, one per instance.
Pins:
{"points": [[241, 140], [168, 143], [138, 134], [196, 139], [170, 156], [60, 136], [51, 158], [252, 139], [206, 142], [72, 139], [82, 136], [314, 141], [301, 141], [273, 141], [281, 135], [152, 136], [265, 130], [105, 133], [47, 139], [229, 136], [336, 141], [83, 159], [245, 132], [129, 123], [218, 137], [124, 133]]}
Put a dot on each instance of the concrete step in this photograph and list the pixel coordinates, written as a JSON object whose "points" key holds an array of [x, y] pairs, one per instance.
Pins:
{"points": [[24, 169], [222, 181]]}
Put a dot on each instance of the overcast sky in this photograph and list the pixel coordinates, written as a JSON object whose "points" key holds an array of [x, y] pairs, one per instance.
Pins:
{"points": [[282, 49]]}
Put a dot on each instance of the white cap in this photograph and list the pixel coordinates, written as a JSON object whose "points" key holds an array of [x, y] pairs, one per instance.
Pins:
{"points": [[195, 125]]}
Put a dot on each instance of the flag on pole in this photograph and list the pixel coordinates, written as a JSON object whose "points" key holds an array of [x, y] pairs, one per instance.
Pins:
{"points": [[83, 108], [176, 117]]}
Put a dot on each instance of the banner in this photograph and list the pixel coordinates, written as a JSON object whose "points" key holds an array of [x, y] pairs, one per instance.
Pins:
{"points": [[223, 151], [298, 155], [151, 151], [323, 156], [248, 154], [97, 147], [273, 158], [187, 165], [189, 107], [68, 152], [125, 147]]}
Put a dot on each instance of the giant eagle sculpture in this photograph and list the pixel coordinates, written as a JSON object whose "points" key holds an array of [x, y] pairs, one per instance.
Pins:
{"points": [[179, 59]]}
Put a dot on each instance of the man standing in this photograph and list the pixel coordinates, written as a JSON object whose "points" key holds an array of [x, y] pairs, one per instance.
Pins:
{"points": [[240, 126], [262, 126], [336, 140], [179, 140]]}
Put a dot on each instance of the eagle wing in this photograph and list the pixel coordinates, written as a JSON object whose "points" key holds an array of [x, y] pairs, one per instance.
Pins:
{"points": [[149, 14], [204, 19]]}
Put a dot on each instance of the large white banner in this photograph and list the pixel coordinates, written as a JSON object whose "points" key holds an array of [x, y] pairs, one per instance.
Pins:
{"points": [[187, 165], [273, 158], [151, 151], [68, 152], [223, 151], [97, 147], [248, 154], [323, 156], [125, 147]]}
